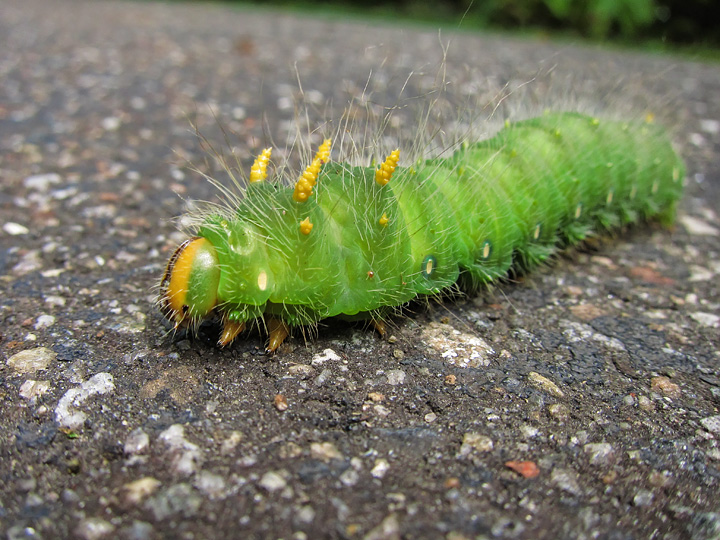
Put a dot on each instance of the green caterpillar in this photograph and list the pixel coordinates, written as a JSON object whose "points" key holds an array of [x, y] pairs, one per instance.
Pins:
{"points": [[359, 241]]}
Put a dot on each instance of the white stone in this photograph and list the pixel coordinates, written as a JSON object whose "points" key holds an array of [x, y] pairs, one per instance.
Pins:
{"points": [[711, 423], [43, 321], [67, 413], [31, 390], [395, 377], [706, 319], [41, 182], [15, 229], [697, 226], [187, 456], [326, 355], [380, 468], [137, 442], [272, 481]]}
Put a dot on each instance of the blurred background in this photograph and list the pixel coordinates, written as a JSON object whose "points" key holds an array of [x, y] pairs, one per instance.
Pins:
{"points": [[673, 24]]}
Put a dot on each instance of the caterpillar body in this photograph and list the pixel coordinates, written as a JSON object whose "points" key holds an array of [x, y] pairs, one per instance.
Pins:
{"points": [[358, 241]]}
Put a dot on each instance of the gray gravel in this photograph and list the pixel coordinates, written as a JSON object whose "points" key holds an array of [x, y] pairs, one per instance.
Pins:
{"points": [[579, 402]]}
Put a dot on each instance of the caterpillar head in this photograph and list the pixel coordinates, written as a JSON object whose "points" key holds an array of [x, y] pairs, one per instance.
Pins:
{"points": [[188, 290]]}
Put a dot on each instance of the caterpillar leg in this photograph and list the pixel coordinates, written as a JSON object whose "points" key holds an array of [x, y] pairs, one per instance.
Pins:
{"points": [[230, 331], [278, 332], [380, 326]]}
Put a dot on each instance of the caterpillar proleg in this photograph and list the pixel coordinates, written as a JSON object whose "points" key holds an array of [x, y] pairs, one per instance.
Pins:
{"points": [[358, 241]]}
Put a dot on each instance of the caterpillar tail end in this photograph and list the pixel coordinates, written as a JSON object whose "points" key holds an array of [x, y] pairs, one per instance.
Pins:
{"points": [[278, 330]]}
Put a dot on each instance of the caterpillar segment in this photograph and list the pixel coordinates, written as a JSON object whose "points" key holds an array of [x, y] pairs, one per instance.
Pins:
{"points": [[374, 238]]}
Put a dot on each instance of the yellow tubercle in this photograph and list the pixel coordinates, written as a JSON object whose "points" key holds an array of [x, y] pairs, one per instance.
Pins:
{"points": [[306, 226], [304, 185], [384, 220], [323, 153], [649, 118], [386, 170], [258, 172]]}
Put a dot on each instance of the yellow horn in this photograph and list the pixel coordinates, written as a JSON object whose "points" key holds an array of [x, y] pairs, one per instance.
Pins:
{"points": [[258, 172], [323, 153], [304, 185], [386, 170]]}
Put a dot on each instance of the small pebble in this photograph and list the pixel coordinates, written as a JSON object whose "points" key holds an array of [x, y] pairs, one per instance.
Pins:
{"points": [[321, 379], [543, 383], [452, 483], [272, 481], [281, 403], [711, 423], [229, 444], [137, 442], [325, 356], [660, 479], [643, 498], [67, 412], [93, 529], [305, 514], [566, 479], [42, 182], [706, 319], [558, 411], [388, 529], [349, 477], [646, 404], [380, 468], [135, 492], [600, 453], [527, 469], [664, 386], [44, 321], [31, 390], [395, 377], [211, 484], [325, 451], [475, 442], [31, 360], [181, 500], [301, 371], [290, 450], [15, 229], [697, 226]]}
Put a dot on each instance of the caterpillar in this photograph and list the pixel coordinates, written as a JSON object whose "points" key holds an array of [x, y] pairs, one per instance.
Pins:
{"points": [[359, 241]]}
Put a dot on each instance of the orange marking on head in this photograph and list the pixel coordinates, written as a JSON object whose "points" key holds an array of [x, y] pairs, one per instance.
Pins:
{"points": [[180, 276]]}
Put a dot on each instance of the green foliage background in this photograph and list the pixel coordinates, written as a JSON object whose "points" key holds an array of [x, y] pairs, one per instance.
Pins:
{"points": [[673, 22]]}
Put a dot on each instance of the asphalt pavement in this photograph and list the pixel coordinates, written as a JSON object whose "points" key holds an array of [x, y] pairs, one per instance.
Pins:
{"points": [[580, 401]]}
